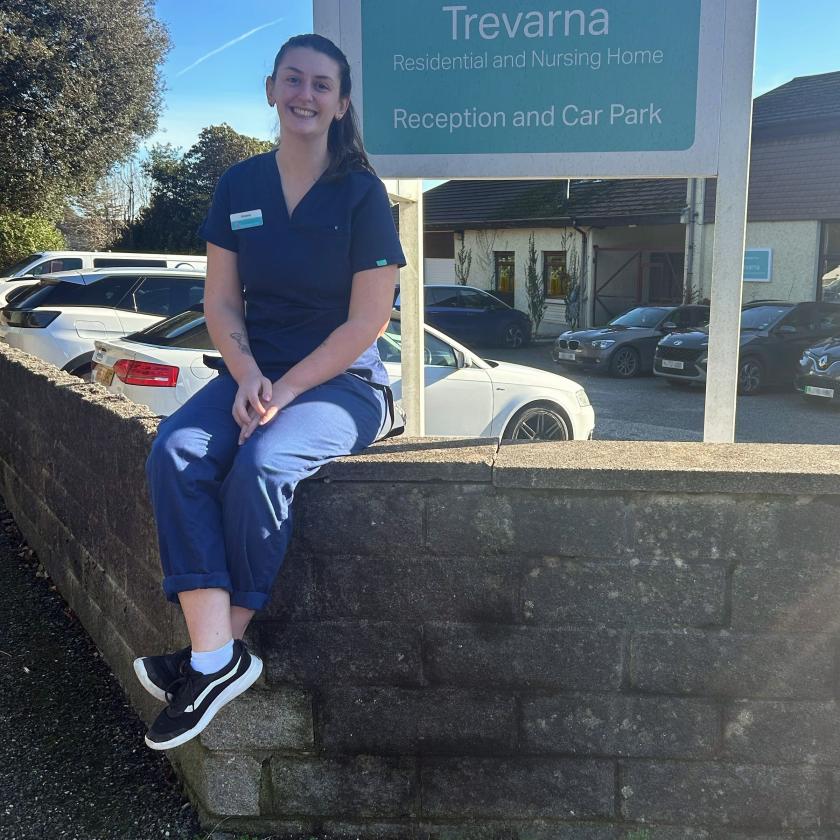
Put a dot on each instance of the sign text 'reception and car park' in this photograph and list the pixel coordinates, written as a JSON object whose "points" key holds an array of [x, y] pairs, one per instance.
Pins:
{"points": [[518, 87]]}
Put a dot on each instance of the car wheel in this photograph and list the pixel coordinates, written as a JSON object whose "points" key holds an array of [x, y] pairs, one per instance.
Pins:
{"points": [[750, 376], [514, 337], [85, 372], [539, 422], [625, 363]]}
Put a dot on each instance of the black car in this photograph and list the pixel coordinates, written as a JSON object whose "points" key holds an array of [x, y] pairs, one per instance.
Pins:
{"points": [[473, 316], [819, 371], [774, 335], [626, 345]]}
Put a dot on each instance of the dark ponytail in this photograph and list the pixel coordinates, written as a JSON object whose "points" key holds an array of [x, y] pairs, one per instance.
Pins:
{"points": [[344, 143]]}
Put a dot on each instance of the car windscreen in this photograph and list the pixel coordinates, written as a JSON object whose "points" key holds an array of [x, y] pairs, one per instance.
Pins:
{"points": [[642, 316], [15, 267], [186, 329], [762, 317], [106, 292]]}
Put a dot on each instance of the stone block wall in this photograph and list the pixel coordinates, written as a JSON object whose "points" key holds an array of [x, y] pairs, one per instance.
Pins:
{"points": [[593, 641]]}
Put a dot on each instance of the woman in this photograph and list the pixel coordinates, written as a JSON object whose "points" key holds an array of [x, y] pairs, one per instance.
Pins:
{"points": [[305, 234]]}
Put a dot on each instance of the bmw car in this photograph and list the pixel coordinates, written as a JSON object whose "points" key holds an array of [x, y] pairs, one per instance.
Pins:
{"points": [[625, 347]]}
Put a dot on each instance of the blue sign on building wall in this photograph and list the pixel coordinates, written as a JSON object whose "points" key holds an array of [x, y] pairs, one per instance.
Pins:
{"points": [[758, 265]]}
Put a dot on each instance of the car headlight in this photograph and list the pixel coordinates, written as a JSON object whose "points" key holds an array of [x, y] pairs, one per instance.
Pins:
{"points": [[603, 343], [583, 400], [704, 357]]}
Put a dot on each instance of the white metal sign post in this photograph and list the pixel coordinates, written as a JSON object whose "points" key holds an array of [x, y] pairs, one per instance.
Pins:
{"points": [[595, 89], [730, 226], [409, 195]]}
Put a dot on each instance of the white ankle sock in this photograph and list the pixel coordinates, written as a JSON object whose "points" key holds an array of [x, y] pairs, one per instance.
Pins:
{"points": [[210, 661]]}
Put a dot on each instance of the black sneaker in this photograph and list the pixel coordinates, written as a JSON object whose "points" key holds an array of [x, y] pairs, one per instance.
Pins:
{"points": [[158, 673], [194, 698]]}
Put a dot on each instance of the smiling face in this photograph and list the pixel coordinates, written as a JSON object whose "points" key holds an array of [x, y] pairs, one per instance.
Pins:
{"points": [[306, 91]]}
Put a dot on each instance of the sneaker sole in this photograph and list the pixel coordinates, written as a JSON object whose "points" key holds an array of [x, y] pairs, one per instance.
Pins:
{"points": [[233, 690], [142, 675]]}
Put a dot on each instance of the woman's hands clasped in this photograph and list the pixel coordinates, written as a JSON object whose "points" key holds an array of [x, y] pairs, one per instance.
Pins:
{"points": [[253, 393], [257, 402]]}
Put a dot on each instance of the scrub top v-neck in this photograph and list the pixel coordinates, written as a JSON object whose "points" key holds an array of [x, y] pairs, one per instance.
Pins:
{"points": [[296, 270]]}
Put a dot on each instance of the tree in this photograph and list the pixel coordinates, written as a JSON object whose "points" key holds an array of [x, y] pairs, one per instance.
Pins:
{"points": [[22, 235], [98, 218], [463, 264], [182, 189], [79, 87], [486, 244], [574, 275], [534, 286]]}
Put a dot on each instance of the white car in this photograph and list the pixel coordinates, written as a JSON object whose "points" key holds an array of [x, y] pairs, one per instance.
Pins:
{"points": [[465, 395], [60, 318], [26, 272]]}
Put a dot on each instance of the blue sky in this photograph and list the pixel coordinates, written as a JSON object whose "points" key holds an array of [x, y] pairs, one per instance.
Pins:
{"points": [[222, 51]]}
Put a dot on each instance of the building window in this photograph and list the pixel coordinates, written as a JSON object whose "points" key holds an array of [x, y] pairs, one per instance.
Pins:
{"points": [[439, 246], [557, 280], [830, 262], [505, 271]]}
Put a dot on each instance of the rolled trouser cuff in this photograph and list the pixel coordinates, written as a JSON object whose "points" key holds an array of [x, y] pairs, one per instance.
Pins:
{"points": [[249, 600], [173, 584]]}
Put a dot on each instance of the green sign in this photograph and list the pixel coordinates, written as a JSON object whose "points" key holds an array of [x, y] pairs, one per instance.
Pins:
{"points": [[758, 265], [518, 76]]}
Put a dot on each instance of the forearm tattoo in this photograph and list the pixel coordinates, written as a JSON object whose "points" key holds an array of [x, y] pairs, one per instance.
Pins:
{"points": [[242, 340]]}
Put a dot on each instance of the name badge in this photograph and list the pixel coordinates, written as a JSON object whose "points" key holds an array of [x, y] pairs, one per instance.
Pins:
{"points": [[248, 219]]}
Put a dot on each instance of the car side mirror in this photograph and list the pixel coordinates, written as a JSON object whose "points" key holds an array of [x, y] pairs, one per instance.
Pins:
{"points": [[668, 326], [460, 358]]}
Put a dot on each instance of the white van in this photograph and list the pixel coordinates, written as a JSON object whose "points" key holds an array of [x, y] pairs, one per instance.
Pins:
{"points": [[19, 275]]}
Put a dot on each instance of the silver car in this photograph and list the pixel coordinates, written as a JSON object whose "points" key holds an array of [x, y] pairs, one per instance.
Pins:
{"points": [[626, 345]]}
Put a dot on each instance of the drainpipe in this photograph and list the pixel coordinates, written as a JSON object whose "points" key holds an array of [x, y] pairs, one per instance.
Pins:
{"points": [[584, 262], [688, 270]]}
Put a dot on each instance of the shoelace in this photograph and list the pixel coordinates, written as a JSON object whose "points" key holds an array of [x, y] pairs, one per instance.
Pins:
{"points": [[181, 692]]}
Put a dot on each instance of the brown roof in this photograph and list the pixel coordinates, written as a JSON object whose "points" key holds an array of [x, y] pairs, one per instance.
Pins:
{"points": [[456, 205], [803, 105]]}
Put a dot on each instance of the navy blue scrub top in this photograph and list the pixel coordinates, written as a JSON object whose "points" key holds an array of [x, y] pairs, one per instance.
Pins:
{"points": [[296, 273]]}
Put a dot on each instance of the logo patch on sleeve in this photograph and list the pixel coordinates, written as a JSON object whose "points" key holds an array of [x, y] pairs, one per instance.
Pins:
{"points": [[380, 263]]}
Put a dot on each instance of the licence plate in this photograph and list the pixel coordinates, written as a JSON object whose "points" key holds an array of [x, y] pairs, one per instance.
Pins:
{"points": [[670, 363], [566, 355], [104, 375], [819, 392]]}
